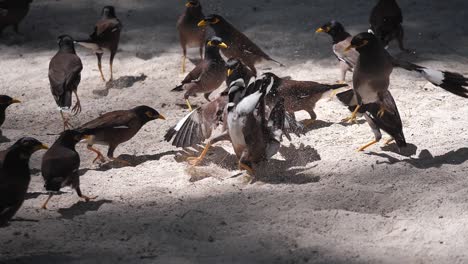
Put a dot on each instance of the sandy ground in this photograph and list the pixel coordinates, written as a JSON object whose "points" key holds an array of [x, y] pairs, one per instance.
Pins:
{"points": [[319, 202]]}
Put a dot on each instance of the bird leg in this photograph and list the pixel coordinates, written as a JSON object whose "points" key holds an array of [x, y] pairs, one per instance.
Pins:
{"points": [[381, 111], [195, 161], [388, 141], [111, 62], [99, 154], [189, 105], [77, 108], [367, 145], [352, 118], [44, 205], [184, 58], [66, 122], [99, 57], [250, 172], [86, 198]]}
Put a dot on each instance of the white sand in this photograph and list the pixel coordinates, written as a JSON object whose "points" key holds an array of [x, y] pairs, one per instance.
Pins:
{"points": [[321, 202]]}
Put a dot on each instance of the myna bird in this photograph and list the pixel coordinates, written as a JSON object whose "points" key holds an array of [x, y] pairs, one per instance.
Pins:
{"points": [[371, 76], [255, 134], [13, 12], [106, 36], [65, 76], [206, 123], [386, 22], [237, 70], [15, 176], [60, 165], [114, 128], [298, 95], [5, 102], [341, 40], [450, 81], [208, 75], [190, 35], [239, 45], [390, 122]]}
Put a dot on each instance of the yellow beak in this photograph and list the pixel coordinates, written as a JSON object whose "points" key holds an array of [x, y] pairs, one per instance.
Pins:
{"points": [[349, 47], [319, 30], [229, 72], [15, 101], [87, 137], [223, 45], [161, 117], [188, 4], [42, 146], [202, 23]]}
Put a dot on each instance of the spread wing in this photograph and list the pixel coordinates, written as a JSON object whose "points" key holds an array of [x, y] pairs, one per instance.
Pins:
{"points": [[349, 57], [195, 74]]}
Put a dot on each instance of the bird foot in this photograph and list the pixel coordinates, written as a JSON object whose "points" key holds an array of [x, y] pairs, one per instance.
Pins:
{"points": [[352, 119], [87, 198], [100, 158], [367, 145], [194, 161], [341, 82], [76, 109], [388, 141]]}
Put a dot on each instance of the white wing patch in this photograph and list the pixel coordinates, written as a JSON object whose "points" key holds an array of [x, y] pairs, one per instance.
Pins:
{"points": [[434, 76]]}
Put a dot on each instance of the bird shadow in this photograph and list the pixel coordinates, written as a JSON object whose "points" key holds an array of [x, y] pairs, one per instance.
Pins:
{"points": [[81, 208], [126, 160], [426, 160], [4, 139], [216, 155], [34, 195], [358, 122], [292, 169], [120, 83], [317, 124]]}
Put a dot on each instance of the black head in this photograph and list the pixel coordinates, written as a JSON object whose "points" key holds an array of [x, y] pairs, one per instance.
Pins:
{"points": [[233, 65], [65, 41], [364, 41], [216, 42], [71, 137], [236, 92], [146, 113], [212, 19], [332, 28], [108, 12], [27, 146], [6, 101], [192, 4]]}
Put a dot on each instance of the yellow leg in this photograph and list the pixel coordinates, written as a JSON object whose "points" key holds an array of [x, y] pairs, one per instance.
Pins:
{"points": [[352, 118], [367, 145], [99, 154], [87, 198], [44, 206], [388, 141], [195, 161], [111, 72], [334, 92], [189, 105], [249, 170]]}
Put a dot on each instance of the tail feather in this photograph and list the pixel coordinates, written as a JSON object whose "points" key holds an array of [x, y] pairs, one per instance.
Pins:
{"points": [[279, 63], [178, 88], [450, 81]]}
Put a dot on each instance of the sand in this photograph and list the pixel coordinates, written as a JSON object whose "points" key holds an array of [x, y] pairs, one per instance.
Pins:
{"points": [[319, 201]]}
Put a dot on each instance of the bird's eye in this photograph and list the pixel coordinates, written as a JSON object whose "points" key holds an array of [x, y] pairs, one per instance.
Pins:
{"points": [[149, 114], [215, 21]]}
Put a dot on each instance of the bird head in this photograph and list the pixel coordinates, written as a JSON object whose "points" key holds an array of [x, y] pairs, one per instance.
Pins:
{"points": [[146, 113], [216, 42], [210, 20], [6, 101], [332, 28], [233, 65], [27, 146], [65, 41], [192, 3], [72, 137], [363, 41], [108, 12]]}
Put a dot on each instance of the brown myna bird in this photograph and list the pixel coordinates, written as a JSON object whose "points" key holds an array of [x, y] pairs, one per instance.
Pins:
{"points": [[208, 75], [386, 22], [255, 133], [239, 45], [298, 95], [15, 176], [341, 40], [207, 122], [106, 36], [65, 76], [371, 76], [390, 122], [5, 102], [190, 35], [60, 165], [12, 12], [114, 128]]}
